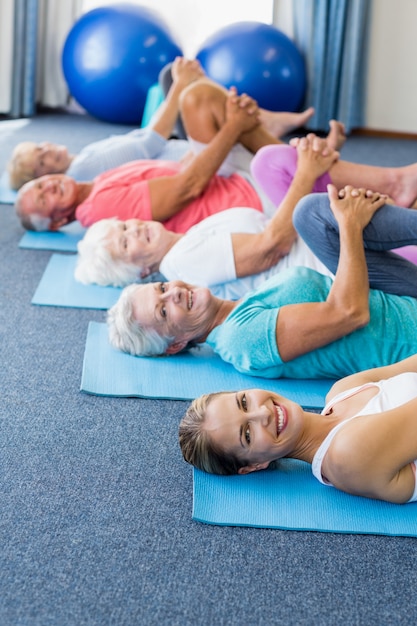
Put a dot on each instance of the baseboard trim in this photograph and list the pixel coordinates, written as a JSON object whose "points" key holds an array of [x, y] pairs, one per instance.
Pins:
{"points": [[372, 132]]}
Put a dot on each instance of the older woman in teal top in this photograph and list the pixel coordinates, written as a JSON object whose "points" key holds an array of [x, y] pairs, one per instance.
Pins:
{"points": [[247, 337], [299, 324]]}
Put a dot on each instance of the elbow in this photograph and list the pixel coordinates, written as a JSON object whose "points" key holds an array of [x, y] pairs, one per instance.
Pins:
{"points": [[359, 318], [194, 192], [192, 188], [274, 248], [366, 318], [363, 315], [351, 317]]}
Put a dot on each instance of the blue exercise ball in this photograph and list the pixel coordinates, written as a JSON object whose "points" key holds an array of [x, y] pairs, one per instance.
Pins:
{"points": [[259, 60], [112, 56]]}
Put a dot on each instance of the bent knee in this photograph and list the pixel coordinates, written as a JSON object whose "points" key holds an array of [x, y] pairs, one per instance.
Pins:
{"points": [[203, 90], [311, 208], [277, 159]]}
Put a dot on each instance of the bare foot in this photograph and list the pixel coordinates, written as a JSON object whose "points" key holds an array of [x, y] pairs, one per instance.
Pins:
{"points": [[401, 185], [280, 123], [337, 135], [404, 185]]}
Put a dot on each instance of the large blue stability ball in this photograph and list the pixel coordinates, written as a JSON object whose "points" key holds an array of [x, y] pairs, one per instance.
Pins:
{"points": [[112, 56], [259, 60]]}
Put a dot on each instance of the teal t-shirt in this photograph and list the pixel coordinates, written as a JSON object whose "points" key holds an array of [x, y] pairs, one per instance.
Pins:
{"points": [[247, 338]]}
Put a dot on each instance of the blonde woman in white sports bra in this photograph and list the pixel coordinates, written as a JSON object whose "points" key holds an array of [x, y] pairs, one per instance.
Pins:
{"points": [[364, 442]]}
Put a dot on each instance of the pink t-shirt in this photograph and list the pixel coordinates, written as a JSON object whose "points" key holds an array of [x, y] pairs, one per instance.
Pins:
{"points": [[124, 193]]}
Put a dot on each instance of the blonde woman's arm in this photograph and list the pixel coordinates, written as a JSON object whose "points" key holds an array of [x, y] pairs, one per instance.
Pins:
{"points": [[371, 455]]}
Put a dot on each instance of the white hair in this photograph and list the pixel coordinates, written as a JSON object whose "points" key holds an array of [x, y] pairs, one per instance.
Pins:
{"points": [[36, 222], [126, 334], [31, 221], [95, 264]]}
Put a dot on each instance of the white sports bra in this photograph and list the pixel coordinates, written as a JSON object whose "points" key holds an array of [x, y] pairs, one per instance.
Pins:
{"points": [[393, 392]]}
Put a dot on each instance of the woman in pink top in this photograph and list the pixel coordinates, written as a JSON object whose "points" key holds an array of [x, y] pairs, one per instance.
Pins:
{"points": [[164, 189]]}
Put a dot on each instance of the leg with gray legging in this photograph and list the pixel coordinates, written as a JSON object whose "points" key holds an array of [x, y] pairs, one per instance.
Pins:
{"points": [[165, 82], [391, 227]]}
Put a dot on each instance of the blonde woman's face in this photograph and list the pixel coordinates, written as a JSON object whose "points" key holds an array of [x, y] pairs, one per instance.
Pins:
{"points": [[48, 158], [254, 424]]}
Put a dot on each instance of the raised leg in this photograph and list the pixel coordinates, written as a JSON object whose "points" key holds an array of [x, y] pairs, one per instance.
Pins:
{"points": [[203, 114], [273, 168], [165, 82], [399, 183], [391, 227]]}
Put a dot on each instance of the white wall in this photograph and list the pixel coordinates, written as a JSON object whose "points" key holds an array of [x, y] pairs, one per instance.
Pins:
{"points": [[6, 54], [391, 102]]}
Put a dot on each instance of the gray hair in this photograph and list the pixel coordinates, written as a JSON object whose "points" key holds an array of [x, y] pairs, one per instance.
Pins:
{"points": [[197, 447], [31, 221], [95, 264], [126, 334], [18, 167]]}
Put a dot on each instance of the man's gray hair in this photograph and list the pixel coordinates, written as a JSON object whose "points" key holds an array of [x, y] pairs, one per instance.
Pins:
{"points": [[31, 221]]}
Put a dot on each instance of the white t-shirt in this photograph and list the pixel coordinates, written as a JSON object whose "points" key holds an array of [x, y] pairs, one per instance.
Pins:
{"points": [[204, 255], [393, 392], [106, 154]]}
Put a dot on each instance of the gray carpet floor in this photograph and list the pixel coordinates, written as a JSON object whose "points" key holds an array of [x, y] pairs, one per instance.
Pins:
{"points": [[95, 505]]}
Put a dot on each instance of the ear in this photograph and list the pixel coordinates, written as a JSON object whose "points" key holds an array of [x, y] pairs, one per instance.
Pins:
{"points": [[145, 272], [175, 347], [255, 467], [57, 224]]}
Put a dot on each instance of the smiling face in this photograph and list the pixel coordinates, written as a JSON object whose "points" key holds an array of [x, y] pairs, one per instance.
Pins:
{"points": [[175, 309], [254, 425], [47, 158], [54, 196], [141, 243]]}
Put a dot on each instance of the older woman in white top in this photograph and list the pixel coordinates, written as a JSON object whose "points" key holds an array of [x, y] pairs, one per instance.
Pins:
{"points": [[231, 252]]}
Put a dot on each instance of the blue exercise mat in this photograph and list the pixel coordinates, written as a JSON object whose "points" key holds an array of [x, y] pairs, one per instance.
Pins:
{"points": [[290, 498], [63, 240], [58, 287], [109, 372], [7, 195]]}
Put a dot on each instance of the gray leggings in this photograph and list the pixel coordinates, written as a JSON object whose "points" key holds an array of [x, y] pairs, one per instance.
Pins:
{"points": [[165, 82], [391, 227]]}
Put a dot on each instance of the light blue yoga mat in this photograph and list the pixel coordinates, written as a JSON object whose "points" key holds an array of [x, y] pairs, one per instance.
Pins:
{"points": [[63, 240], [58, 287], [109, 372], [7, 195], [291, 498]]}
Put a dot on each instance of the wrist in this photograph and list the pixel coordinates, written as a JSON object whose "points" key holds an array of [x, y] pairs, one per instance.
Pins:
{"points": [[232, 129]]}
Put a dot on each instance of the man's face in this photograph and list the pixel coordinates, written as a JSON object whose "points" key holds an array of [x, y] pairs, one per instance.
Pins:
{"points": [[53, 196]]}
